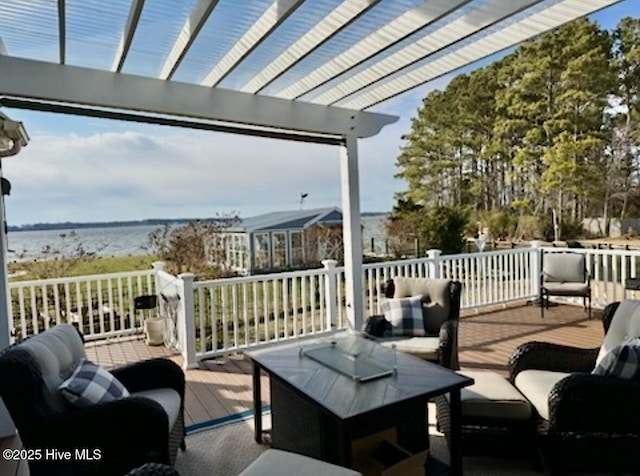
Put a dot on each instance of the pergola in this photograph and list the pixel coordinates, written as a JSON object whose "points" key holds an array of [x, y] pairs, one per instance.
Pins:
{"points": [[303, 70]]}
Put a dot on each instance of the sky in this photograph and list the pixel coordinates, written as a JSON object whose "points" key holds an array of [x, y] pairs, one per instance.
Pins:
{"points": [[91, 170]]}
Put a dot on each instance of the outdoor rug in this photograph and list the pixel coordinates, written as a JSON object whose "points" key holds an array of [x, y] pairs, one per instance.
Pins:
{"points": [[226, 448]]}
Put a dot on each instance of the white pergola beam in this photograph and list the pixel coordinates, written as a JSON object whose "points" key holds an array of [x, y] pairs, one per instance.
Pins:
{"points": [[342, 16], [514, 33], [278, 12], [127, 35], [30, 79], [393, 32], [198, 17], [469, 24], [62, 31]]}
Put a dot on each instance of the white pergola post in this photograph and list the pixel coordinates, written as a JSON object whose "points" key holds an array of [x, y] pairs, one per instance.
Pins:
{"points": [[352, 232]]}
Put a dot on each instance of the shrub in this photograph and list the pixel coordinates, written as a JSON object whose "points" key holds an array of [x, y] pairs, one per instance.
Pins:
{"points": [[502, 225], [528, 228], [443, 228]]}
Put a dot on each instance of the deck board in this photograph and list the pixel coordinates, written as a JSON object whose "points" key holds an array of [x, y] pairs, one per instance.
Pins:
{"points": [[223, 387]]}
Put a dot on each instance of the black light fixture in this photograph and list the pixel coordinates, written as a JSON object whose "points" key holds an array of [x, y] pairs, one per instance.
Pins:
{"points": [[6, 186]]}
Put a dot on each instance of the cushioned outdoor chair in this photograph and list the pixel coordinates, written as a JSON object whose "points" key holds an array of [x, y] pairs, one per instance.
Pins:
{"points": [[438, 318], [147, 426], [564, 274], [586, 400]]}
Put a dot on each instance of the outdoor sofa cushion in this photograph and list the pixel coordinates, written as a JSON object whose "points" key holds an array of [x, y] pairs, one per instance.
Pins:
{"points": [[435, 296], [492, 396], [424, 347], [278, 463], [536, 386], [622, 361], [90, 384], [405, 315]]}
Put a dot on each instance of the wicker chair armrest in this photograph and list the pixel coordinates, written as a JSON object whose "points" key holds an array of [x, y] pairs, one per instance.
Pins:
{"points": [[376, 326], [455, 296], [448, 338], [549, 356], [583, 402], [151, 374], [117, 419]]}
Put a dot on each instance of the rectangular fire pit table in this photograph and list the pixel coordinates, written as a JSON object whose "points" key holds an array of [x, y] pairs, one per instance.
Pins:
{"points": [[321, 403]]}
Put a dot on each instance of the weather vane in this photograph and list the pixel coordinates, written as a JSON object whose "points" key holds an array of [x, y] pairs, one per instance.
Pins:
{"points": [[302, 197]]}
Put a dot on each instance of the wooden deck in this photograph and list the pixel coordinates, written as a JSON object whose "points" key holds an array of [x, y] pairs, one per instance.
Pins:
{"points": [[223, 387]]}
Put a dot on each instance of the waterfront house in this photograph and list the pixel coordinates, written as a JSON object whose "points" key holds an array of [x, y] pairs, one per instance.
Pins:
{"points": [[284, 240]]}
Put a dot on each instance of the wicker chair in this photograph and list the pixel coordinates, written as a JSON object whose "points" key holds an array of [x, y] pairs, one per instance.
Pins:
{"points": [[440, 345], [564, 274], [586, 422], [147, 426]]}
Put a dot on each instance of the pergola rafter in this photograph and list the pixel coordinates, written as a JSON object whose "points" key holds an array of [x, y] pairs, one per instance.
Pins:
{"points": [[277, 13], [187, 36], [341, 17], [127, 35]]}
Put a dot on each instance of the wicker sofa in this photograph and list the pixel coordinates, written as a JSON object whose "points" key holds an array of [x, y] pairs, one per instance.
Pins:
{"points": [[441, 300], [147, 426], [587, 422]]}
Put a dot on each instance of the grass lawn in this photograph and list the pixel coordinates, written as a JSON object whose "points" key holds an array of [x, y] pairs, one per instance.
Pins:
{"points": [[99, 265]]}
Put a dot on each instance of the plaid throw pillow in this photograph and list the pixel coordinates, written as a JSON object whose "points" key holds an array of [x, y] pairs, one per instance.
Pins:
{"points": [[622, 361], [405, 315], [90, 384]]}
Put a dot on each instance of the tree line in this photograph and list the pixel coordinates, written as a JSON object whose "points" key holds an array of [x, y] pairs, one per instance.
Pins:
{"points": [[548, 131]]}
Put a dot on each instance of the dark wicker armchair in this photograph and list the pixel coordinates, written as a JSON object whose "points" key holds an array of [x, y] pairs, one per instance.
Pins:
{"points": [[147, 426], [587, 422], [440, 345]]}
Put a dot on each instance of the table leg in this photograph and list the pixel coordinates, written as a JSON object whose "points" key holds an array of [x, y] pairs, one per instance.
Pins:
{"points": [[455, 454], [257, 403]]}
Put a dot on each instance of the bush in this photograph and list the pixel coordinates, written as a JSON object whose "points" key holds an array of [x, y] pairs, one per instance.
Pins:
{"points": [[570, 229], [443, 228], [502, 225], [528, 228]]}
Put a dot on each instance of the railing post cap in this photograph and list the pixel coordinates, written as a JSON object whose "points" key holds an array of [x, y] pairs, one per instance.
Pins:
{"points": [[187, 276], [158, 265], [536, 244], [329, 263], [434, 253]]}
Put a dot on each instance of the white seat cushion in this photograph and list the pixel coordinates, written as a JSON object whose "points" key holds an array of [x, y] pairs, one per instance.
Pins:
{"points": [[424, 347], [283, 463], [492, 396], [536, 385]]}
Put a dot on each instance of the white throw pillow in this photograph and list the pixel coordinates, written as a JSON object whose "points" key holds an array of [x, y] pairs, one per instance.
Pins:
{"points": [[405, 315], [622, 361], [90, 384]]}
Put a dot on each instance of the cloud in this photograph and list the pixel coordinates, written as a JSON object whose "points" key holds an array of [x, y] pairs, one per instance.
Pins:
{"points": [[156, 172]]}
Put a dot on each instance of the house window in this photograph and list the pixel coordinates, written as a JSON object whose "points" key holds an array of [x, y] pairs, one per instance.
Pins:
{"points": [[279, 250], [261, 242], [297, 253]]}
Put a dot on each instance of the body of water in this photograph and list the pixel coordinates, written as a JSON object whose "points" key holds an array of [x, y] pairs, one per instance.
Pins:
{"points": [[127, 240]]}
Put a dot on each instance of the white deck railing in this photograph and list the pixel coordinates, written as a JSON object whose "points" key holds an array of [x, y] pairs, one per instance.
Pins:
{"points": [[229, 315], [100, 305]]}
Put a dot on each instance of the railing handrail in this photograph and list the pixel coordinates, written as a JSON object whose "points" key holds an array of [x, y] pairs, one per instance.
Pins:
{"points": [[73, 279], [591, 251], [258, 278]]}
